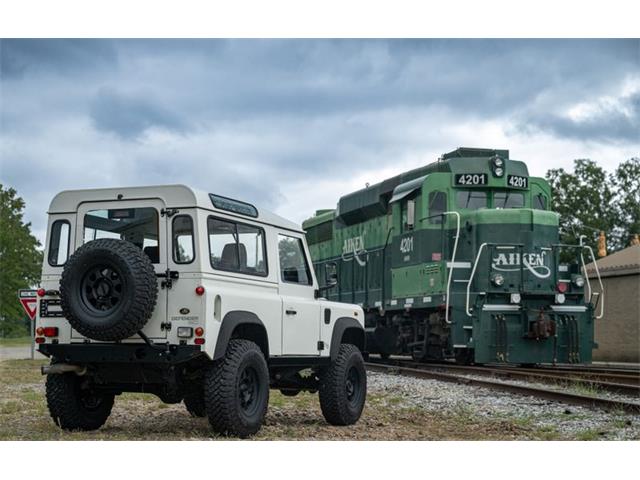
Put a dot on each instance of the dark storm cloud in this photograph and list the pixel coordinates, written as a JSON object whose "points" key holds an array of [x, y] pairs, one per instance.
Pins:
{"points": [[25, 57], [257, 118], [130, 116]]}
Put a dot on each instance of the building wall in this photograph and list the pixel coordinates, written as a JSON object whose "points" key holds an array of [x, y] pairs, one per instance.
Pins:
{"points": [[618, 332]]}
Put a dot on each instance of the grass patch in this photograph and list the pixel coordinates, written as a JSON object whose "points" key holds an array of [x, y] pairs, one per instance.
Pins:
{"points": [[15, 342]]}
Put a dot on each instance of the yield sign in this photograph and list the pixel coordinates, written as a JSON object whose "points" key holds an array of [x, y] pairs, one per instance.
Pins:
{"points": [[29, 301]]}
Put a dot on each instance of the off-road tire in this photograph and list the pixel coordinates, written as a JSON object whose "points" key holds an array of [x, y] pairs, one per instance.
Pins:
{"points": [[223, 389], [73, 408], [338, 407], [134, 277], [194, 400]]}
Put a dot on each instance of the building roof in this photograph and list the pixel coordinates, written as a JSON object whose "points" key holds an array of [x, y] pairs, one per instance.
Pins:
{"points": [[173, 196], [624, 262]]}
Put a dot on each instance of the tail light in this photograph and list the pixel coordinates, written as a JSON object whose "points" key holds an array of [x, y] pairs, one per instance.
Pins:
{"points": [[561, 287], [199, 341], [199, 290], [199, 331], [41, 292], [40, 340], [50, 331]]}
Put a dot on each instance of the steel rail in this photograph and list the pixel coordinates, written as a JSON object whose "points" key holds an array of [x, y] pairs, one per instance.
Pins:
{"points": [[626, 384], [548, 394]]}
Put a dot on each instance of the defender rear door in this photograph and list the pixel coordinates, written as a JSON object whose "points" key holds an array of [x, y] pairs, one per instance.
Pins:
{"points": [[136, 216]]}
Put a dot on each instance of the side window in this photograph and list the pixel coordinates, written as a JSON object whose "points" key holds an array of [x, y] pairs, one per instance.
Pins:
{"points": [[294, 267], [437, 205], [539, 202], [182, 241], [59, 243], [237, 247]]}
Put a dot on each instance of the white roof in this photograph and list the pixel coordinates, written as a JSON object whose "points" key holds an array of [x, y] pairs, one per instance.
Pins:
{"points": [[173, 196]]}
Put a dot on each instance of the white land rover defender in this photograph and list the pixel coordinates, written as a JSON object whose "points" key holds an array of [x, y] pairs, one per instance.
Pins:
{"points": [[193, 297]]}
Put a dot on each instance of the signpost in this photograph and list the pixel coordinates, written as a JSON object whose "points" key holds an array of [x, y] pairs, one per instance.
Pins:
{"points": [[29, 301]]}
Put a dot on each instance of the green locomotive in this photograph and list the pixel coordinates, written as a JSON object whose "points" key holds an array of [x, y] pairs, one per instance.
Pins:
{"points": [[459, 259]]}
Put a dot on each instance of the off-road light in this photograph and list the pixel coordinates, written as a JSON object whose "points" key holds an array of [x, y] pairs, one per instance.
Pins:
{"points": [[499, 171], [578, 281], [199, 290], [50, 331], [41, 292], [199, 341], [497, 279], [559, 297], [515, 298], [199, 331], [185, 332], [562, 287]]}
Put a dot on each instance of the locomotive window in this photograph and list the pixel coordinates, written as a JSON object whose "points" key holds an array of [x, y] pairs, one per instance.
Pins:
{"points": [[437, 206], [471, 199], [540, 202], [508, 200]]}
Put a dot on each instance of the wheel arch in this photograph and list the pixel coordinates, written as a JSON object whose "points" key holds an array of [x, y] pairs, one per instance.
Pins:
{"points": [[346, 330], [241, 324]]}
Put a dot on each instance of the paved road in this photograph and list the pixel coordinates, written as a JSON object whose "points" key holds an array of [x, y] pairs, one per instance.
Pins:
{"points": [[8, 353]]}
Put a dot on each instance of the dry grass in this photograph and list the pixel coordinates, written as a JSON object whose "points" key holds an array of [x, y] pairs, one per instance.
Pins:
{"points": [[24, 416]]}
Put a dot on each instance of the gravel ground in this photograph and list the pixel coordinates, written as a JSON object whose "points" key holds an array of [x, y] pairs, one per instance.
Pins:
{"points": [[398, 408], [566, 420]]}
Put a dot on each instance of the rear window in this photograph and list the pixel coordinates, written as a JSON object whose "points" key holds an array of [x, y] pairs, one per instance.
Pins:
{"points": [[508, 200], [136, 225], [471, 199]]}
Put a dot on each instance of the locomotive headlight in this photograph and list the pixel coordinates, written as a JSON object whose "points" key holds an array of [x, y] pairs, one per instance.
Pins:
{"points": [[499, 171], [515, 298], [497, 279], [578, 281], [559, 297]]}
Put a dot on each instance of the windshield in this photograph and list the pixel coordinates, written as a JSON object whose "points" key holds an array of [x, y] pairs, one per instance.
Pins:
{"points": [[508, 200], [471, 199]]}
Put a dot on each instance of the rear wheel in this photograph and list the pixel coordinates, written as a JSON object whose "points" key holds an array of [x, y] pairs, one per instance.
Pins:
{"points": [[236, 390], [343, 387], [73, 405]]}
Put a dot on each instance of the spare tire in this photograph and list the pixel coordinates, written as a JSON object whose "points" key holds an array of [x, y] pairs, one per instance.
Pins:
{"points": [[108, 289]]}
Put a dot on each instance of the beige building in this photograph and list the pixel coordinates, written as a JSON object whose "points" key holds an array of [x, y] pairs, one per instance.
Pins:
{"points": [[618, 332]]}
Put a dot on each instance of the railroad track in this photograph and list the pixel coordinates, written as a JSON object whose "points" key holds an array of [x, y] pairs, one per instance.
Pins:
{"points": [[459, 374]]}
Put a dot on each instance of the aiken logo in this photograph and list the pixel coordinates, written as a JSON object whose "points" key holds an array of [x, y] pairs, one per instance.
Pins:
{"points": [[534, 262], [354, 248]]}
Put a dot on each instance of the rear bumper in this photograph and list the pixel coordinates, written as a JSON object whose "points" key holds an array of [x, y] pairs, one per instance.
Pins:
{"points": [[120, 353]]}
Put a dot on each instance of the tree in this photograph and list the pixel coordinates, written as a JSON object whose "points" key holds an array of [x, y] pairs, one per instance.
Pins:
{"points": [[20, 261], [627, 184], [589, 201]]}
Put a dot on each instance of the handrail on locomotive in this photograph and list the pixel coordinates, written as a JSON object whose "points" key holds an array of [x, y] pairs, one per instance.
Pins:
{"points": [[590, 294]]}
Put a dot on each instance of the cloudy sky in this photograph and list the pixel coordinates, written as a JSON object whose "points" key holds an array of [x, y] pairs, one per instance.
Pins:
{"points": [[291, 125]]}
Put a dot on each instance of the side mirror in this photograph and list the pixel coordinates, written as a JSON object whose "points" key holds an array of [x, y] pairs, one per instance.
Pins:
{"points": [[331, 276]]}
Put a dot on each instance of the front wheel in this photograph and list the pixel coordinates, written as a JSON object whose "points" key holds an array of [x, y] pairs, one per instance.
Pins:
{"points": [[343, 387], [73, 405], [236, 390]]}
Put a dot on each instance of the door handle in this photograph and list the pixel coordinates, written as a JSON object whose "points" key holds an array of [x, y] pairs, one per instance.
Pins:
{"points": [[291, 312]]}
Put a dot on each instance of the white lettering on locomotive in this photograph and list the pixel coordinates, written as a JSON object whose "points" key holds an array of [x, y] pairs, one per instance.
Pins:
{"points": [[354, 248], [533, 262]]}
